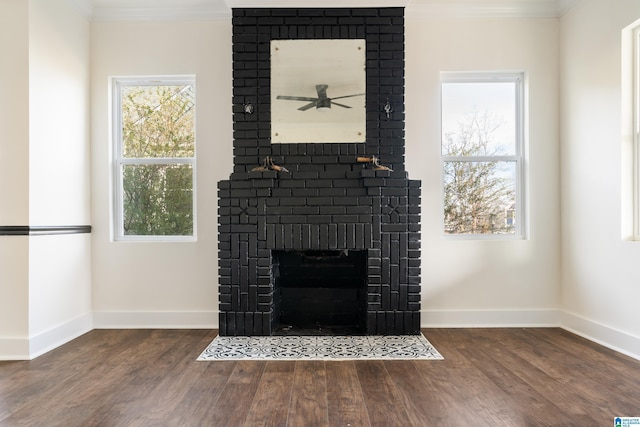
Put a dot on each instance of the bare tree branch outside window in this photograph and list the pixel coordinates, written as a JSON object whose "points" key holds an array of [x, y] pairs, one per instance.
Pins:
{"points": [[479, 173]]}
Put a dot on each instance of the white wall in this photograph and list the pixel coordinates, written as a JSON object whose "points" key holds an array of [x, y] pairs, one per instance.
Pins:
{"points": [[489, 282], [46, 280], [464, 282], [59, 176], [600, 278], [14, 297], [486, 282], [59, 290], [14, 174], [58, 114], [161, 284], [14, 113]]}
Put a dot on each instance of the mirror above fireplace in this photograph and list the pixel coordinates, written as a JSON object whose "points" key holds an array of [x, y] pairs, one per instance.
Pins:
{"points": [[318, 91]]}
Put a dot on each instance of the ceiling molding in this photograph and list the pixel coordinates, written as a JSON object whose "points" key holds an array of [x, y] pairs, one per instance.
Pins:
{"points": [[489, 8], [200, 10], [159, 14], [82, 6], [237, 4], [153, 10], [565, 6]]}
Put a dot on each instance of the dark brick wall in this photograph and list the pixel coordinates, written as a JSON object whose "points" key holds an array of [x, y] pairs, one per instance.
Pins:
{"points": [[327, 200], [253, 30]]}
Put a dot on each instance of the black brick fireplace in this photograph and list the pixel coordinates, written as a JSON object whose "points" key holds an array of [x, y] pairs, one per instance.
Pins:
{"points": [[329, 238]]}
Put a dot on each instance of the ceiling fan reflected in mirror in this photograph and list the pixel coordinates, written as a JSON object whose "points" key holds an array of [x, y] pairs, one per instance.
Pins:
{"points": [[322, 102]]}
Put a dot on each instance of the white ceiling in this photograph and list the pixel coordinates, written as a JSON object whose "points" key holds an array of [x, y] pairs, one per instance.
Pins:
{"points": [[128, 10]]}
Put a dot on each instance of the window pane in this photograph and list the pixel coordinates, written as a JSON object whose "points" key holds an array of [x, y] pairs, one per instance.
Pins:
{"points": [[479, 197], [158, 121], [479, 118], [158, 200]]}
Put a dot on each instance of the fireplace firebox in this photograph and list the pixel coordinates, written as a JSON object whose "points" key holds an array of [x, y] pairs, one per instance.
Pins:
{"points": [[319, 235], [319, 292]]}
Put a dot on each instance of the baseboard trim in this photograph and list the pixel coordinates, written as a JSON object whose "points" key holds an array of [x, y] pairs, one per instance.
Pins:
{"points": [[27, 349], [606, 336], [489, 318], [37, 345], [155, 320], [14, 349], [62, 334]]}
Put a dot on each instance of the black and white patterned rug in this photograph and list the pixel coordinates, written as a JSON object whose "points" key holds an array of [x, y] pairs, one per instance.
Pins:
{"points": [[371, 347]]}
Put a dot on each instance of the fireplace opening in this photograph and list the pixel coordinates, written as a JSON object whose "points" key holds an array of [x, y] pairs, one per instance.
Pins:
{"points": [[319, 292]]}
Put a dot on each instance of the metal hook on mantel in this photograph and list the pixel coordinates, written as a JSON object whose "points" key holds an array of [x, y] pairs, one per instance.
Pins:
{"points": [[267, 165], [373, 160]]}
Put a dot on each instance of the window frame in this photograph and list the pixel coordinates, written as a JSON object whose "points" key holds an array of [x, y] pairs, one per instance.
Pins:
{"points": [[518, 158], [118, 161], [636, 135]]}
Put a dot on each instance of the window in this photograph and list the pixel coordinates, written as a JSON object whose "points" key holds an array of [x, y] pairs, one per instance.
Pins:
{"points": [[482, 152], [154, 158]]}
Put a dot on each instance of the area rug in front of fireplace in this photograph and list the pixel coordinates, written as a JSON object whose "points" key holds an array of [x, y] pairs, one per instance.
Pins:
{"points": [[370, 347]]}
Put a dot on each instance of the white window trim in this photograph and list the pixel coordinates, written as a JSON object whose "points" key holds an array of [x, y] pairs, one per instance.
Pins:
{"points": [[636, 135], [518, 158], [117, 161]]}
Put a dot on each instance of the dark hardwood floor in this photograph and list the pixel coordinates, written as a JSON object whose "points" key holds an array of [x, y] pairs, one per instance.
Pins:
{"points": [[490, 377]]}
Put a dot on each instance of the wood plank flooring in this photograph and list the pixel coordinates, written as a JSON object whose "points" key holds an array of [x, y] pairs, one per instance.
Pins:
{"points": [[489, 377]]}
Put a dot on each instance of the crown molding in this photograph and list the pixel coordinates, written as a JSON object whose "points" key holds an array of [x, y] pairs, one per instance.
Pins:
{"points": [[82, 6], [158, 14], [239, 4], [199, 10], [565, 6], [489, 8], [153, 10]]}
